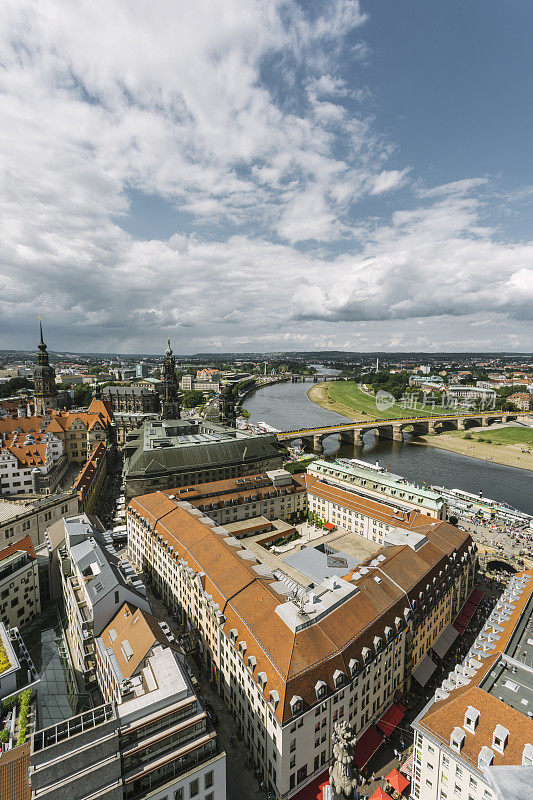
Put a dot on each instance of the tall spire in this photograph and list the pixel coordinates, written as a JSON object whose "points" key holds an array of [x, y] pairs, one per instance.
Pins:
{"points": [[170, 406]]}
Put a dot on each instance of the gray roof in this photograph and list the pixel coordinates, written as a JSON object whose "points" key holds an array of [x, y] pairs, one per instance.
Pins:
{"points": [[317, 565], [129, 390], [176, 445]]}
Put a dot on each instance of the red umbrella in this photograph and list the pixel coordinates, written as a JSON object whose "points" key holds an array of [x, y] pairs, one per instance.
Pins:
{"points": [[397, 780], [379, 794]]}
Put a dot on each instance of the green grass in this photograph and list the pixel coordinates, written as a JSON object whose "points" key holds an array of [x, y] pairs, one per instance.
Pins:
{"points": [[4, 661], [349, 395], [504, 435]]}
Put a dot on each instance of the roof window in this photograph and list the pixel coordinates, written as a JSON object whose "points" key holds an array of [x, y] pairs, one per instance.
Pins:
{"points": [[527, 756], [457, 738], [485, 757], [499, 738], [471, 719]]}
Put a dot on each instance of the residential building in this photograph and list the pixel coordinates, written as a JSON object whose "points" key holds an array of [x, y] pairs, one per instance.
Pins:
{"points": [[79, 431], [165, 454], [155, 742], [474, 739], [364, 480], [27, 462], [523, 401], [33, 517], [131, 399], [275, 494], [188, 383], [90, 479], [20, 599], [95, 584], [292, 655], [463, 395], [142, 370]]}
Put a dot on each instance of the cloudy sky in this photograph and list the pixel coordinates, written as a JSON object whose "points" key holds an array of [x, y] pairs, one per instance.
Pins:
{"points": [[266, 174]]}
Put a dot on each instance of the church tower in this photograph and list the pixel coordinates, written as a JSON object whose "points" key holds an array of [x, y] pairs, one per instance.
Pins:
{"points": [[44, 377], [170, 408], [228, 414]]}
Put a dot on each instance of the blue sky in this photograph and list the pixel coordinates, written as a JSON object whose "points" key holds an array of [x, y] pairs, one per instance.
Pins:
{"points": [[240, 175]]}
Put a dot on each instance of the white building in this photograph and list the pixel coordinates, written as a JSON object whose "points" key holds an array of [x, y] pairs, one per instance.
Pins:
{"points": [[20, 597], [474, 739], [22, 456], [95, 584], [292, 656]]}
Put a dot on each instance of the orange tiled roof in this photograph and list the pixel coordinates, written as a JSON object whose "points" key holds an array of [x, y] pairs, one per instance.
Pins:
{"points": [[88, 470], [140, 629], [449, 712], [295, 661], [16, 547], [29, 455], [14, 766]]}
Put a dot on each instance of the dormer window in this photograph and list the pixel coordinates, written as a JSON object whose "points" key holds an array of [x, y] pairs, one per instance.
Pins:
{"points": [[252, 662], [233, 635], [354, 666], [242, 648], [485, 757], [296, 704], [365, 653], [499, 738], [388, 633], [338, 678], [527, 756], [273, 698], [377, 643], [471, 719], [320, 689], [457, 738], [262, 679]]}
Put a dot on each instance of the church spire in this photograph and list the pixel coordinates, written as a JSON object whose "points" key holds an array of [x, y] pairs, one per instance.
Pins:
{"points": [[170, 406]]}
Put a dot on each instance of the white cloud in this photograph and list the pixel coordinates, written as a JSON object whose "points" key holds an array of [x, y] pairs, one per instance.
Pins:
{"points": [[237, 114]]}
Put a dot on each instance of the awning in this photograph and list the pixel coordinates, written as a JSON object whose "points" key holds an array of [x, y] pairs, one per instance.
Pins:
{"points": [[315, 789], [379, 794], [407, 767], [367, 746], [398, 781], [391, 718], [467, 611], [445, 641], [329, 526], [424, 670]]}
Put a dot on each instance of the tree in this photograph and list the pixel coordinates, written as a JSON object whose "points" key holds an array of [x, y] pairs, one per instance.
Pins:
{"points": [[453, 520], [192, 398], [83, 394], [13, 385]]}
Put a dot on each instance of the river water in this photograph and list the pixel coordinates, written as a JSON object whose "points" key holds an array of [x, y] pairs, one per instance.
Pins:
{"points": [[286, 406]]}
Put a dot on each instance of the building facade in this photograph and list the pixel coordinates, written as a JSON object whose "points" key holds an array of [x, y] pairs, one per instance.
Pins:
{"points": [[95, 583], [91, 477], [166, 454], [131, 399], [474, 739], [27, 459], [33, 517], [293, 656], [20, 598], [275, 494], [370, 482]]}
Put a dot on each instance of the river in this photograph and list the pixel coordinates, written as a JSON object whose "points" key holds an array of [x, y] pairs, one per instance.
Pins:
{"points": [[286, 406]]}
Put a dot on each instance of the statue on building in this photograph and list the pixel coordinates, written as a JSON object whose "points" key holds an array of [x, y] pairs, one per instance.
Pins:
{"points": [[170, 408], [44, 377], [228, 415], [343, 775]]}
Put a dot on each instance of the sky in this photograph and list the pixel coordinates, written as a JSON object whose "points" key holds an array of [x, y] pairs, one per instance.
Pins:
{"points": [[264, 175]]}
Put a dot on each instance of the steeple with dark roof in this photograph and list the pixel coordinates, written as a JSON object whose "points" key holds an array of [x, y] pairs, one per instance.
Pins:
{"points": [[44, 377], [170, 407]]}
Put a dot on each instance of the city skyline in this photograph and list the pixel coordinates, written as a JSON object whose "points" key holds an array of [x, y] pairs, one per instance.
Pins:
{"points": [[258, 178]]}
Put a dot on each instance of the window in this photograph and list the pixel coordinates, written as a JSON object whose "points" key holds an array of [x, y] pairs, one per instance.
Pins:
{"points": [[178, 794], [194, 788], [208, 779]]}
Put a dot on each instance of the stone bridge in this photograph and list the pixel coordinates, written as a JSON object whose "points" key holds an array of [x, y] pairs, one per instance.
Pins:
{"points": [[293, 377], [353, 432]]}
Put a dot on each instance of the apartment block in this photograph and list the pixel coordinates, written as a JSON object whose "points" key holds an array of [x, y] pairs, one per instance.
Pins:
{"points": [[376, 483], [292, 654], [274, 494], [19, 518], [95, 583], [20, 599], [153, 740], [474, 739]]}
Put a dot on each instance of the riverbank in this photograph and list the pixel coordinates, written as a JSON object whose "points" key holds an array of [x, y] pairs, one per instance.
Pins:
{"points": [[319, 394], [509, 455]]}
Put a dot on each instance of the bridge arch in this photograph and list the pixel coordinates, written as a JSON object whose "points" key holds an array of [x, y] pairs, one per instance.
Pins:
{"points": [[446, 425], [498, 565]]}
